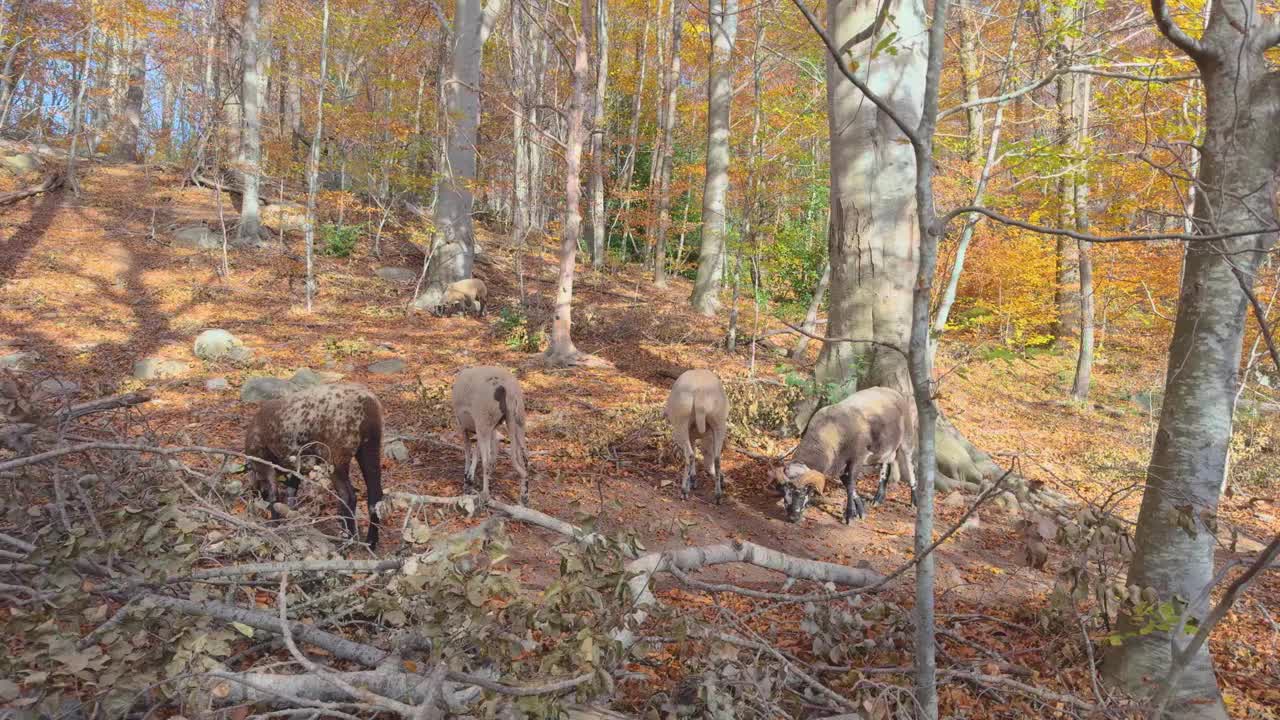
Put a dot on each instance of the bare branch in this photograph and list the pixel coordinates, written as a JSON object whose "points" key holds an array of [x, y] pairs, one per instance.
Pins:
{"points": [[1175, 34], [1047, 230], [870, 31]]}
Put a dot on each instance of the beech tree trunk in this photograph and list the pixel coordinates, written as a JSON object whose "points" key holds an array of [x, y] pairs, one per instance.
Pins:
{"points": [[1237, 188], [1084, 360], [670, 93], [873, 234], [251, 140], [130, 121], [711, 256], [1066, 293], [313, 157], [454, 251], [561, 350], [599, 236], [970, 74]]}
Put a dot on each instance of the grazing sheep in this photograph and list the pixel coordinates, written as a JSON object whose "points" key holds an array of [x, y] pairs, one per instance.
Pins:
{"points": [[469, 293], [332, 422], [698, 409], [875, 426], [483, 398]]}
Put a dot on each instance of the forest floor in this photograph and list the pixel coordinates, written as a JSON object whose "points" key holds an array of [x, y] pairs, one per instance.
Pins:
{"points": [[92, 284]]}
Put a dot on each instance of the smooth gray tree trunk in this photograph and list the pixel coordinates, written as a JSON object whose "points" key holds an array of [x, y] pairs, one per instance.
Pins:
{"points": [[561, 350], [251, 140], [873, 235], [670, 93], [1237, 187], [130, 121], [1084, 359], [711, 256], [313, 158], [1066, 293], [599, 236], [454, 246]]}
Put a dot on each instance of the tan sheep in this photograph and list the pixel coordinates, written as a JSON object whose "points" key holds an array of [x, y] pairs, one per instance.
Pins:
{"points": [[471, 293], [698, 409], [875, 426], [483, 398], [331, 422]]}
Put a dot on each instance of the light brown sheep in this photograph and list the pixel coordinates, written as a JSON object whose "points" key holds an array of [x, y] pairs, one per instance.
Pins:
{"points": [[698, 409], [331, 422], [483, 398], [875, 426], [470, 293]]}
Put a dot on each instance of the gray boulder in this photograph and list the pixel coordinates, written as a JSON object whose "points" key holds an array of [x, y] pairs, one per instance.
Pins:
{"points": [[197, 237], [265, 388], [397, 274], [306, 377], [20, 164], [217, 345], [159, 369], [285, 217], [20, 360], [395, 449], [387, 367], [54, 388], [217, 384]]}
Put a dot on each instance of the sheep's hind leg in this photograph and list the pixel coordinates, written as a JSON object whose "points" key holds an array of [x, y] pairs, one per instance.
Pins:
{"points": [[882, 485], [711, 444], [346, 497], [681, 437], [853, 505], [469, 459]]}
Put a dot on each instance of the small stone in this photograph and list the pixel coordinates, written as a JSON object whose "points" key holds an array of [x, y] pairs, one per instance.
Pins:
{"points": [[396, 274], [1266, 518], [221, 345], [265, 388], [159, 369], [387, 367], [955, 499], [217, 384], [54, 388], [395, 449], [21, 360], [306, 377]]}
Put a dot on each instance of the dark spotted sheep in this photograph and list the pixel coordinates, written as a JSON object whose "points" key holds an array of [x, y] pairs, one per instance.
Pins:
{"points": [[333, 423]]}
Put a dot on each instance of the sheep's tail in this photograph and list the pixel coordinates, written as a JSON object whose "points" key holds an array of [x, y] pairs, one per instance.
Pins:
{"points": [[700, 414]]}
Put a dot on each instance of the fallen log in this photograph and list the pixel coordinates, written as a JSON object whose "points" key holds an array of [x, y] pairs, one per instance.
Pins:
{"points": [[52, 181]]}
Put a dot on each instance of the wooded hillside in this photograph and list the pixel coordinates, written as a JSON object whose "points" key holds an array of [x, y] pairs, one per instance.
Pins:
{"points": [[247, 247]]}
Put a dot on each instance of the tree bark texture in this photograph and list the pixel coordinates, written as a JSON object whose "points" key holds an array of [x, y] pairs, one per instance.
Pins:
{"points": [[873, 236], [561, 350], [711, 256], [454, 252], [251, 140], [1084, 359], [670, 94], [810, 323], [1066, 292], [313, 158], [599, 235], [1237, 188]]}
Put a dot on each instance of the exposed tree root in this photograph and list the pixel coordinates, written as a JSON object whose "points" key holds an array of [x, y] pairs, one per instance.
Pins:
{"points": [[53, 180]]}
